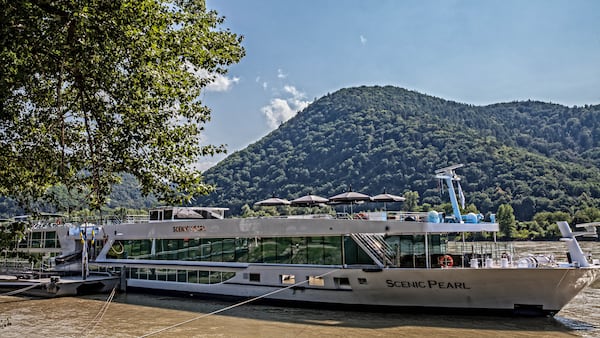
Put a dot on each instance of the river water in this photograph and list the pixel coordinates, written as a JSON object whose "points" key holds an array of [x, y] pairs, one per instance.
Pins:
{"points": [[140, 315]]}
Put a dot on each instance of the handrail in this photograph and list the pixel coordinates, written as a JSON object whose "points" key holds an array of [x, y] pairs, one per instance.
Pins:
{"points": [[375, 247]]}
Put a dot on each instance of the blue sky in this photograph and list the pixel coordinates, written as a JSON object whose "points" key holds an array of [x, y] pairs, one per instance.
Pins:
{"points": [[476, 52]]}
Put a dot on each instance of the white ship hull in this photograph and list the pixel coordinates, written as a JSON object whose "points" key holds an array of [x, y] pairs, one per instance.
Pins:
{"points": [[512, 290]]}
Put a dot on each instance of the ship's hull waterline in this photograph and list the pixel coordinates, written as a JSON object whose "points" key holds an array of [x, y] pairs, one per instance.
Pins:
{"points": [[511, 290]]}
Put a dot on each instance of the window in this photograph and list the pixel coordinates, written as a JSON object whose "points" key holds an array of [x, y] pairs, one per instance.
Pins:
{"points": [[332, 250], [354, 254], [269, 250], [215, 277], [161, 274], [50, 239], [203, 277], [284, 250], [255, 277], [228, 250], [316, 281], [227, 275], [155, 215], [288, 279], [172, 275], [192, 276], [182, 276], [299, 250], [342, 282], [241, 249], [36, 239]]}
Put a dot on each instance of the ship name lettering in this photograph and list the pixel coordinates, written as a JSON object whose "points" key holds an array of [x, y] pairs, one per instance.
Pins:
{"points": [[429, 284], [189, 228]]}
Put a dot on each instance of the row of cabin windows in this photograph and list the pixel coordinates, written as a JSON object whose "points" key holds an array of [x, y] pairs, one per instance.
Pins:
{"points": [[40, 239], [279, 250], [215, 277], [178, 275], [321, 250]]}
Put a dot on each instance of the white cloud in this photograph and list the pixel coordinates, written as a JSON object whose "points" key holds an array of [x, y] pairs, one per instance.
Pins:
{"points": [[264, 84], [280, 74], [292, 90], [221, 83], [363, 40], [207, 163], [280, 110], [277, 112]]}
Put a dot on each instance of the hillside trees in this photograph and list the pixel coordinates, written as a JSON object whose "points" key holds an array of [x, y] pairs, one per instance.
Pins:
{"points": [[373, 138], [547, 220], [506, 221], [95, 88]]}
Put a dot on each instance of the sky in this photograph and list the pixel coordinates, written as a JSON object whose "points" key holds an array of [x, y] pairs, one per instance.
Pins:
{"points": [[476, 52]]}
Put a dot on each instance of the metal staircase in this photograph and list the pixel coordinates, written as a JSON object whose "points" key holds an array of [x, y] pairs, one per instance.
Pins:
{"points": [[376, 247]]}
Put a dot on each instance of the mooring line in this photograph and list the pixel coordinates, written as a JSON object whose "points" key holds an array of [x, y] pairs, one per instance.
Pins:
{"points": [[98, 318], [233, 306]]}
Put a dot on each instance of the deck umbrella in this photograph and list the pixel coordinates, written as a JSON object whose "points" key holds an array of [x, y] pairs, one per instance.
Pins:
{"points": [[387, 198], [309, 200], [272, 202], [350, 197]]}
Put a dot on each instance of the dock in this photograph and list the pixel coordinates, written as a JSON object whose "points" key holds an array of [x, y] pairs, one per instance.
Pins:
{"points": [[58, 286]]}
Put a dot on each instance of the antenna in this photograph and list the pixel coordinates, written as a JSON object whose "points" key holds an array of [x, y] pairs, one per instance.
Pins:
{"points": [[447, 174], [449, 169]]}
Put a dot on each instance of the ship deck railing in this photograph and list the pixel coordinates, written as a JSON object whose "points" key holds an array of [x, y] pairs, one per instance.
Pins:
{"points": [[305, 216], [385, 216], [15, 264]]}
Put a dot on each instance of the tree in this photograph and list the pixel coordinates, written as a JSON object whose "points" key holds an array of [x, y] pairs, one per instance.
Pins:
{"points": [[587, 215], [96, 88], [411, 201], [11, 233], [547, 221], [506, 220]]}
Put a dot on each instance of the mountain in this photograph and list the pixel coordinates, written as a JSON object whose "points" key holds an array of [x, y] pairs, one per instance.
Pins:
{"points": [[536, 156]]}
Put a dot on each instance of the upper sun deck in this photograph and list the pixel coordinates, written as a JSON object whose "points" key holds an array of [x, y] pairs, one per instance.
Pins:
{"points": [[289, 226]]}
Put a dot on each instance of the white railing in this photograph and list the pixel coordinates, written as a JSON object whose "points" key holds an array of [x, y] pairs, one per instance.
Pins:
{"points": [[376, 247]]}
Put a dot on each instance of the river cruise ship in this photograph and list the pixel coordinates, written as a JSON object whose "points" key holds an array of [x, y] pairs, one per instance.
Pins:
{"points": [[394, 260]]}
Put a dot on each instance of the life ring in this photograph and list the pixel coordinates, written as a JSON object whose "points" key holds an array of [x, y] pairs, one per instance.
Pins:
{"points": [[445, 261], [116, 249]]}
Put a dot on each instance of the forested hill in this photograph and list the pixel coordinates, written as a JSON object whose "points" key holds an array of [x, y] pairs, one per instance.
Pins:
{"points": [[536, 156]]}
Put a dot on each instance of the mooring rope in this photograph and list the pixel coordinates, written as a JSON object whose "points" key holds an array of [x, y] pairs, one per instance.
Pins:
{"points": [[98, 318], [233, 306]]}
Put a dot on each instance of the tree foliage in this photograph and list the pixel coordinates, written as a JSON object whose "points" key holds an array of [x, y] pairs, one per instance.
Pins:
{"points": [[506, 221], [411, 202], [11, 233], [92, 89]]}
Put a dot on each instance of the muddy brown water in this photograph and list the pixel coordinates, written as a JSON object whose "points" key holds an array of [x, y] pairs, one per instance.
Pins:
{"points": [[139, 315]]}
